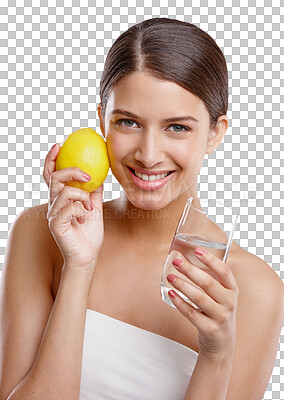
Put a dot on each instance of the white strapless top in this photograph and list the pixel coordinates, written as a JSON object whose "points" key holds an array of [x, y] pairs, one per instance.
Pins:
{"points": [[124, 362]]}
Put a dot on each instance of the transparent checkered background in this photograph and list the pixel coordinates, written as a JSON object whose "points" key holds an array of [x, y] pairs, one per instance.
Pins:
{"points": [[51, 59]]}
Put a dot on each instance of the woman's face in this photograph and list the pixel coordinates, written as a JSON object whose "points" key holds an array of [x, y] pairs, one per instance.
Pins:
{"points": [[140, 136]]}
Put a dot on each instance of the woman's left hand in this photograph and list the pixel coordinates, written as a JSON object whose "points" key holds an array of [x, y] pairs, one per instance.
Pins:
{"points": [[217, 302]]}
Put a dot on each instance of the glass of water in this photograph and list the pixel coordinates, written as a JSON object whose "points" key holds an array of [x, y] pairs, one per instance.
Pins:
{"points": [[205, 223]]}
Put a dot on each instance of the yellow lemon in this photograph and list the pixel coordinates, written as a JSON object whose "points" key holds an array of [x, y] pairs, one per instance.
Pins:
{"points": [[87, 150]]}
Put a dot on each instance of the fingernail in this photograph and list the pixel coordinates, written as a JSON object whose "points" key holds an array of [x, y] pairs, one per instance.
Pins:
{"points": [[87, 176], [171, 278], [86, 204], [172, 293], [53, 146], [177, 262], [199, 252]]}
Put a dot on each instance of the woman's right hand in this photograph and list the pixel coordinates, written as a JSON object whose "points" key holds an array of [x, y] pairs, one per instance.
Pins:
{"points": [[76, 227]]}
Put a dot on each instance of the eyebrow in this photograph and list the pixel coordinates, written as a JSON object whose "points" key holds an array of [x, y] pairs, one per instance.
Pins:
{"points": [[131, 115]]}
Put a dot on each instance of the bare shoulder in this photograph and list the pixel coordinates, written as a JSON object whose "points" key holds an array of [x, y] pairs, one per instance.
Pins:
{"points": [[252, 271], [25, 294], [260, 287], [260, 315], [36, 212], [30, 235], [35, 215]]}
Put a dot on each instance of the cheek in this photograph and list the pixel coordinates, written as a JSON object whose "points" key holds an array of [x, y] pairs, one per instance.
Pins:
{"points": [[118, 147], [190, 161], [189, 156]]}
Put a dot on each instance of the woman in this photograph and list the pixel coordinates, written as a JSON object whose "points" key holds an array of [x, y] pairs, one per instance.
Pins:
{"points": [[81, 311]]}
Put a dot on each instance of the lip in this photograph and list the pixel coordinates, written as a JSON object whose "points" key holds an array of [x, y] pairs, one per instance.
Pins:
{"points": [[143, 171], [146, 185]]}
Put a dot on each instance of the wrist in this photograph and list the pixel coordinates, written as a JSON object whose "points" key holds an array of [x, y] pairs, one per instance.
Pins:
{"points": [[82, 273], [217, 359], [210, 377], [226, 354]]}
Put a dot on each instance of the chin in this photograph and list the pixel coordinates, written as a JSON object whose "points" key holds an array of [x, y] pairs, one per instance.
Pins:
{"points": [[149, 201]]}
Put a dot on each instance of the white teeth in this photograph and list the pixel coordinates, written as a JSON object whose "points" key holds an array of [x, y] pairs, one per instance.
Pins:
{"points": [[151, 178]]}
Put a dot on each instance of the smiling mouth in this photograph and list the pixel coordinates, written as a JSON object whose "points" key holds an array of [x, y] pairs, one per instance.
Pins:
{"points": [[150, 178]]}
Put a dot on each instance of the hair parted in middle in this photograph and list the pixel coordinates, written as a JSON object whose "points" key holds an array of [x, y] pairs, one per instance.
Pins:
{"points": [[172, 50]]}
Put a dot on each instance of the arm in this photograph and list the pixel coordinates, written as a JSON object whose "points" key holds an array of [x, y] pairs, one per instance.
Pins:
{"points": [[215, 319], [260, 317], [56, 371], [210, 379], [39, 337], [49, 365]]}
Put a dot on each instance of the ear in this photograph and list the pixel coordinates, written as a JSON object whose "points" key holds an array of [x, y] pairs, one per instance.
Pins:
{"points": [[216, 134], [101, 120]]}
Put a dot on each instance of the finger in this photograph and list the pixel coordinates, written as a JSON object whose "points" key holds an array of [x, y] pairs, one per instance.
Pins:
{"points": [[204, 302], [196, 317], [65, 197], [62, 220], [81, 220], [202, 279], [223, 272], [96, 197], [59, 178], [49, 164], [86, 205]]}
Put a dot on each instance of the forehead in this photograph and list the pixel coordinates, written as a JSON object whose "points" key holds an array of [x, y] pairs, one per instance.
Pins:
{"points": [[143, 93]]}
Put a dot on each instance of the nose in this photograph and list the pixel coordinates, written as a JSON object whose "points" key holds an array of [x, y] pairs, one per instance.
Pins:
{"points": [[150, 149]]}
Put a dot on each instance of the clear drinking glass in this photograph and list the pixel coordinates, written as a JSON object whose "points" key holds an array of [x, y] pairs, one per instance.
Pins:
{"points": [[205, 223]]}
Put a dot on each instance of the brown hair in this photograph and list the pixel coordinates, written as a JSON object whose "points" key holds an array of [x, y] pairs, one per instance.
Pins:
{"points": [[171, 50]]}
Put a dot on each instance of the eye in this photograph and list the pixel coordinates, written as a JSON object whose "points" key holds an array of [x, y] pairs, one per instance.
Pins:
{"points": [[121, 122], [128, 123], [182, 128]]}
